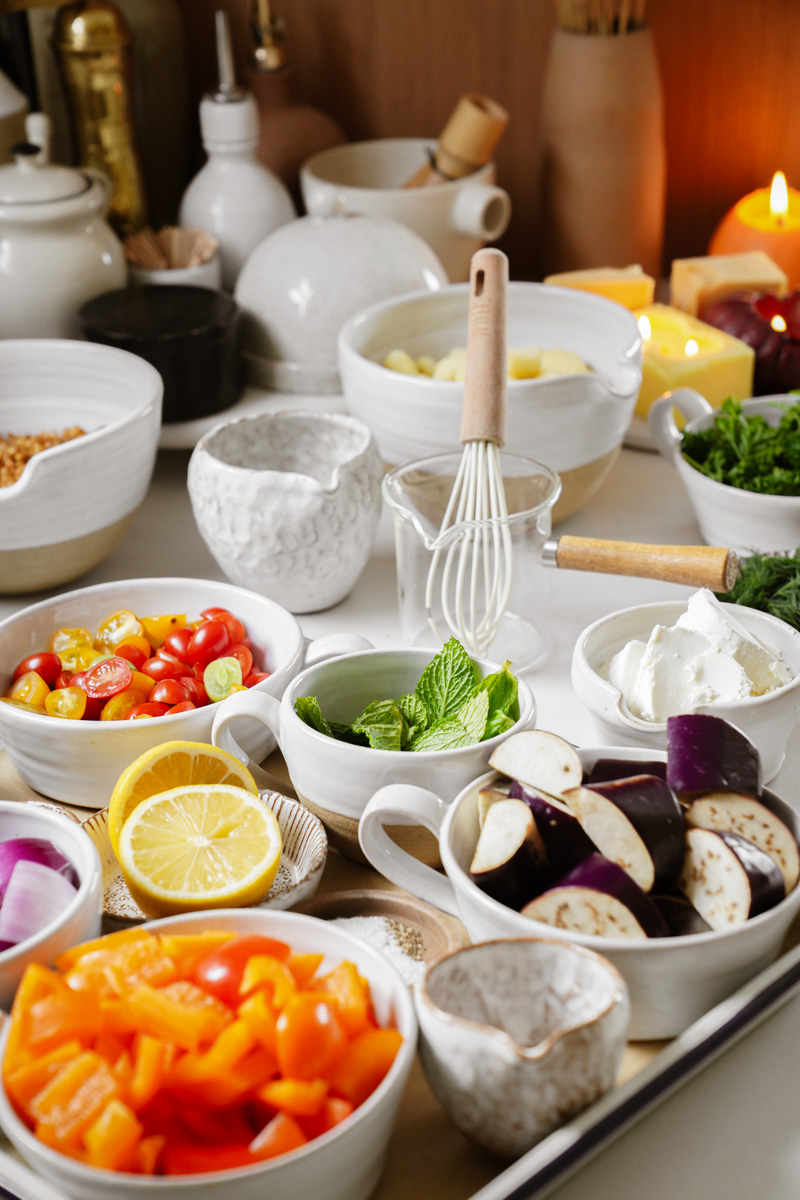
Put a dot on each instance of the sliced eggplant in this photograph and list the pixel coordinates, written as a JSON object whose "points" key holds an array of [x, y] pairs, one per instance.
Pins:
{"points": [[600, 899], [540, 760], [707, 754], [727, 878], [734, 813], [565, 842], [682, 918], [487, 796], [636, 823], [509, 860], [607, 769]]}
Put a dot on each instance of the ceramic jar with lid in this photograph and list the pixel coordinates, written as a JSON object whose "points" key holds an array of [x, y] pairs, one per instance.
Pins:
{"points": [[56, 248]]}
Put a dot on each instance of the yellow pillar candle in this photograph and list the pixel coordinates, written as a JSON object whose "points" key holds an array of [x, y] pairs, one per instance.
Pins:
{"points": [[680, 351]]}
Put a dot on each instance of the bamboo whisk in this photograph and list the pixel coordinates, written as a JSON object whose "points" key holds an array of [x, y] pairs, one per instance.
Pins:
{"points": [[604, 17], [466, 143]]}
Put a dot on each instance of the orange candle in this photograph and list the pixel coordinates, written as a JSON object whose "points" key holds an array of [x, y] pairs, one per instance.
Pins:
{"points": [[767, 219]]}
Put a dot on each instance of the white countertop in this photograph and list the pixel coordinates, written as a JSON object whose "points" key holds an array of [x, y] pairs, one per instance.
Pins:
{"points": [[732, 1131]]}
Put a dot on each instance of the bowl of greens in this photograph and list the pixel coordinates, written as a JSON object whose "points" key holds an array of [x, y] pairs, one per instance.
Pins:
{"points": [[353, 724], [740, 465]]}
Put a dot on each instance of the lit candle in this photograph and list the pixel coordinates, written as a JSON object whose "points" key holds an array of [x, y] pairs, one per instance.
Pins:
{"points": [[680, 351], [767, 219]]}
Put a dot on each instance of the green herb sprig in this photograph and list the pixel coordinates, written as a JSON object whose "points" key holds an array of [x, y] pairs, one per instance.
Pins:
{"points": [[770, 583], [746, 452], [451, 706]]}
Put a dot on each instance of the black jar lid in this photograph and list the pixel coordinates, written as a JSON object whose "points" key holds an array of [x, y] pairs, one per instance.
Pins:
{"points": [[162, 315]]}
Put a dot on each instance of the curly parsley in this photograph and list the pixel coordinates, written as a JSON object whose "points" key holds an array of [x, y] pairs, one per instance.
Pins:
{"points": [[746, 452]]}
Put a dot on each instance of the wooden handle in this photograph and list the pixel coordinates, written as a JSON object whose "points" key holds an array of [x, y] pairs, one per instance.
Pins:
{"points": [[713, 567], [483, 417], [467, 142]]}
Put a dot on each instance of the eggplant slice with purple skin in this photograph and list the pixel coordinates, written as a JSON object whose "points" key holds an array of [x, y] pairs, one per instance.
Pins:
{"points": [[487, 796], [565, 842], [509, 861], [607, 770], [736, 813], [636, 823], [727, 878], [682, 918], [707, 754], [600, 899], [543, 761]]}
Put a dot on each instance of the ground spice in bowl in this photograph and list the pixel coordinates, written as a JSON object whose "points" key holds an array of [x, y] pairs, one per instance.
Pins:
{"points": [[17, 449]]}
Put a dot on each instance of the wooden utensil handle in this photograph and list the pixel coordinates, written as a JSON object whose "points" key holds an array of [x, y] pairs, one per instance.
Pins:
{"points": [[483, 417], [713, 567]]}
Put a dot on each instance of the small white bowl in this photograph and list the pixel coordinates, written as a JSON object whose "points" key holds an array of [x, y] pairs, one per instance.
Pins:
{"points": [[80, 761], [205, 274], [672, 981], [573, 423], [80, 919], [767, 720], [73, 503], [344, 1164], [749, 522]]}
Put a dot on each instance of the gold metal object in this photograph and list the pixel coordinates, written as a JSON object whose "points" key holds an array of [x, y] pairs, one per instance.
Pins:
{"points": [[270, 38], [93, 46]]}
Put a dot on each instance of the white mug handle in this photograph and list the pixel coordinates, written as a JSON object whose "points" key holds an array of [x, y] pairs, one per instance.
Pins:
{"points": [[665, 432], [394, 805], [334, 645], [482, 211]]}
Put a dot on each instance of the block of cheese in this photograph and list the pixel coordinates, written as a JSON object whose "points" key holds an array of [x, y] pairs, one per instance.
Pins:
{"points": [[680, 351], [629, 286], [696, 283]]}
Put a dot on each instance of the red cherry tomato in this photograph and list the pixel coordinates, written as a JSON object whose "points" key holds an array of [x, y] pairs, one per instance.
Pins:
{"points": [[255, 677], [46, 665], [94, 704], [134, 655], [208, 642], [150, 709], [170, 692], [233, 624], [108, 677], [62, 680], [184, 706], [220, 972], [177, 644], [242, 656], [159, 668], [196, 691]]}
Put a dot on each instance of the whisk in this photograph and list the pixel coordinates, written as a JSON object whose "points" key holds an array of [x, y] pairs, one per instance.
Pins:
{"points": [[478, 560]]}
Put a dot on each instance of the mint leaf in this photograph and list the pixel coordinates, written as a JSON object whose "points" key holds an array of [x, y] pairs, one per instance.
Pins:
{"points": [[447, 682], [473, 714], [343, 733], [382, 722], [497, 723], [444, 735], [503, 700], [415, 717], [308, 710]]}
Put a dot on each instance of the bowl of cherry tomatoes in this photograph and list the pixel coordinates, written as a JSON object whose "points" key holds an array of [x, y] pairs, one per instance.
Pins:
{"points": [[92, 679]]}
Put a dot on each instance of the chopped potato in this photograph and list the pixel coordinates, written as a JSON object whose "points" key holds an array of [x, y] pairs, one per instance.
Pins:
{"points": [[426, 365], [400, 360], [528, 363], [524, 364], [562, 362]]}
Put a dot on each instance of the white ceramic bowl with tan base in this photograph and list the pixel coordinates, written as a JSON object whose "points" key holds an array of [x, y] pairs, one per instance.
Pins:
{"points": [[74, 502]]}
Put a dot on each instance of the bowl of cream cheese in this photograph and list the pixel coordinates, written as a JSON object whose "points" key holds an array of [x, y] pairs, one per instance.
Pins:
{"points": [[636, 667]]}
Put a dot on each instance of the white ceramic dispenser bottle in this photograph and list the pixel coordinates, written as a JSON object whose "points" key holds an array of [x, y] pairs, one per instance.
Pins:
{"points": [[233, 196]]}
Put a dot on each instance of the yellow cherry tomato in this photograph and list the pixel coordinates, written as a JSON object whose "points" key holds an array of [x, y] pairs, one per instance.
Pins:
{"points": [[30, 688], [142, 683], [158, 629], [118, 628], [68, 702], [67, 639], [120, 705]]}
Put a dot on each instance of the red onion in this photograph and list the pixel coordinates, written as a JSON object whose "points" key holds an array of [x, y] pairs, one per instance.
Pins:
{"points": [[35, 896], [38, 850]]}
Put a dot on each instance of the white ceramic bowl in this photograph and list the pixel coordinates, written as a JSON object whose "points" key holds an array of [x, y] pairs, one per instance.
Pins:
{"points": [[73, 503], [344, 1164], [575, 423], [80, 761], [767, 720], [336, 779], [455, 217], [672, 981], [80, 919], [288, 503], [728, 516]]}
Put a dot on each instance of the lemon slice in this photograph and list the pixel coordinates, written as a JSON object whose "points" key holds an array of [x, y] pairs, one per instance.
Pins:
{"points": [[202, 846], [171, 765]]}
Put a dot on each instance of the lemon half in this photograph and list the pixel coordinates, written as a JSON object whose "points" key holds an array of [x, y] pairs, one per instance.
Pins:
{"points": [[197, 847]]}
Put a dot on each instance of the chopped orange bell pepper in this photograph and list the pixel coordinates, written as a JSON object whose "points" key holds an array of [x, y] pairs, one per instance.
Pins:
{"points": [[151, 1056], [109, 1045], [188, 949], [112, 1138], [123, 1072], [262, 970], [74, 1097], [109, 941], [148, 1152], [36, 984], [60, 1018], [364, 1064], [300, 1097], [238, 1084], [181, 1013], [333, 1112], [26, 1082], [123, 967], [260, 1018], [281, 1135], [231, 1046], [304, 967], [351, 992]]}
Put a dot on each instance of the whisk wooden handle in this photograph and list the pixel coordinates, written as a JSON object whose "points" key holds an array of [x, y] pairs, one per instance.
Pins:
{"points": [[483, 417], [712, 567]]}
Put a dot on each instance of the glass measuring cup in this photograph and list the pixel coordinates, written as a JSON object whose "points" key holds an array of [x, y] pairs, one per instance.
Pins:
{"points": [[418, 494]]}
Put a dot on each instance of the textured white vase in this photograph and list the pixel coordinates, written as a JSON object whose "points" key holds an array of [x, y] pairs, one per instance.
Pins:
{"points": [[288, 504]]}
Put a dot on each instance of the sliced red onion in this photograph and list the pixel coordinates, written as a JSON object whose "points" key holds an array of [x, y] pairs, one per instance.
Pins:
{"points": [[36, 895], [38, 850]]}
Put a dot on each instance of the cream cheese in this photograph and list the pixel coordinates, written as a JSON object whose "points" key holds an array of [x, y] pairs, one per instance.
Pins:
{"points": [[706, 656]]}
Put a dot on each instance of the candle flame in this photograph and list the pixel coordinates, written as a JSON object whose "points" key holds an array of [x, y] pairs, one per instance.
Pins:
{"points": [[779, 195], [778, 323], [691, 347], [644, 328]]}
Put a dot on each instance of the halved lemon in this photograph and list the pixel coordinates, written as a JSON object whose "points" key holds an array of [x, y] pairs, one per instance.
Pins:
{"points": [[172, 765], [203, 846]]}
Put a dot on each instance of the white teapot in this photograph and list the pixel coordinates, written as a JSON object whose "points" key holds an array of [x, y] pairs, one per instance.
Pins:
{"points": [[56, 249]]}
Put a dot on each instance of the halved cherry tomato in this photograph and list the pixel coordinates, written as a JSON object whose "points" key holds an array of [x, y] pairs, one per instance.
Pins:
{"points": [[220, 972], [169, 692], [46, 664], [134, 655], [108, 677], [118, 628], [146, 710], [118, 707], [69, 702], [159, 668], [196, 691], [244, 657], [208, 642], [158, 629], [63, 679], [233, 624], [94, 704], [255, 677], [30, 688], [68, 639], [178, 644], [184, 706]]}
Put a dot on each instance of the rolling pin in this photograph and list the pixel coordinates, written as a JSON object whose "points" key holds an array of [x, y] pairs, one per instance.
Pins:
{"points": [[714, 567]]}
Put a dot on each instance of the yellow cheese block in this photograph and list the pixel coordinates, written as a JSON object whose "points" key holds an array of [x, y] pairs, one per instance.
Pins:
{"points": [[629, 286], [696, 283], [680, 351]]}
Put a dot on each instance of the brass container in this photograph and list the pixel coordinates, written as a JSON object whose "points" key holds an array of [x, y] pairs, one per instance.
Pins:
{"points": [[93, 47]]}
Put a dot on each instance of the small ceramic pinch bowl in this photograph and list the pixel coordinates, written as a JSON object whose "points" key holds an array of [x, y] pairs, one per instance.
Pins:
{"points": [[344, 1164], [518, 1036], [750, 522], [767, 720], [336, 779], [80, 761], [80, 920], [288, 504]]}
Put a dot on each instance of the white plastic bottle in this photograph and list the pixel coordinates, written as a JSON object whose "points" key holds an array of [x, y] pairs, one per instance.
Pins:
{"points": [[233, 196]]}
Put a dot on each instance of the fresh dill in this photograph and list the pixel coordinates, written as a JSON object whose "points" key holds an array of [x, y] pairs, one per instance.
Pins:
{"points": [[771, 583], [746, 452]]}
